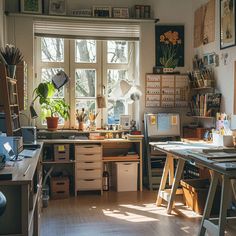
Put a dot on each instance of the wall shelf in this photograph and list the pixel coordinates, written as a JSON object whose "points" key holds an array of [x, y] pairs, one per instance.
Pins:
{"points": [[77, 18]]}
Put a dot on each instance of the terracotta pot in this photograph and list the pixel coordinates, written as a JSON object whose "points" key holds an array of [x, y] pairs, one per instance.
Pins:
{"points": [[52, 123]]}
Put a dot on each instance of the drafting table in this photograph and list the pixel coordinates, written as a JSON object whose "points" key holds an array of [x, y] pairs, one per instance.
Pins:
{"points": [[221, 162]]}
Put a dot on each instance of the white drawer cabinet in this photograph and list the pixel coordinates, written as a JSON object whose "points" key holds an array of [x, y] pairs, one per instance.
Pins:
{"points": [[88, 167]]}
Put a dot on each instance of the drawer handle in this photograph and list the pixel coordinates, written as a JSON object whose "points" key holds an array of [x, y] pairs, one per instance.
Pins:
{"points": [[88, 147], [89, 179], [88, 162], [88, 169], [88, 154], [60, 183]]}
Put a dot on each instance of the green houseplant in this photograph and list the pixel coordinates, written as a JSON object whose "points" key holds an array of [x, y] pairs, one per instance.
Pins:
{"points": [[52, 107]]}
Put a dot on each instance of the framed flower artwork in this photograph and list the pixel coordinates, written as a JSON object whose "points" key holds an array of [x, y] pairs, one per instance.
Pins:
{"points": [[227, 23], [169, 46]]}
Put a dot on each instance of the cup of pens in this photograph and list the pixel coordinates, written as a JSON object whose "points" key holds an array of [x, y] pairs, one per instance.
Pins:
{"points": [[81, 118]]}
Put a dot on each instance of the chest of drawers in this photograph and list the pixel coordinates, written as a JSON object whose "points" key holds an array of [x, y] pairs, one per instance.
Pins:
{"points": [[88, 167]]}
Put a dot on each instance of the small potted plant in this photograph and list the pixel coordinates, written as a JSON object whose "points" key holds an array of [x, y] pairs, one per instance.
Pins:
{"points": [[51, 108], [10, 56]]}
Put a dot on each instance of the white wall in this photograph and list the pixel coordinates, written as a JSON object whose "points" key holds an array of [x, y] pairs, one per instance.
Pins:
{"points": [[224, 74]]}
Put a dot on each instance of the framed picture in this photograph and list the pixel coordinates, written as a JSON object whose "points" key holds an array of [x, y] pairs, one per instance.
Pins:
{"points": [[57, 7], [82, 12], [102, 11], [120, 12], [31, 6], [125, 121], [227, 23], [169, 46]]}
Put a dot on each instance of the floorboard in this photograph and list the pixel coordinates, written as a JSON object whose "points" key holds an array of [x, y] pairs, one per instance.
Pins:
{"points": [[114, 214]]}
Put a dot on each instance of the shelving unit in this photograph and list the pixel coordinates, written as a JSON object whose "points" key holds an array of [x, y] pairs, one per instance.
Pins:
{"points": [[166, 90], [9, 104], [23, 194]]}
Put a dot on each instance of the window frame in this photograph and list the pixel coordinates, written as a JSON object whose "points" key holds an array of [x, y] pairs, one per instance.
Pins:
{"points": [[70, 65]]}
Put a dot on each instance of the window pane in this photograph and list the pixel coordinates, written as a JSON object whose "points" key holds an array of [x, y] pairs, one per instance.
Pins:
{"points": [[85, 83], [52, 49], [117, 52], [113, 81], [114, 110], [85, 51], [47, 74]]}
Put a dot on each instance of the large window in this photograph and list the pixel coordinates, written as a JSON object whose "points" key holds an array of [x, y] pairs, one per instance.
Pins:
{"points": [[92, 66]]}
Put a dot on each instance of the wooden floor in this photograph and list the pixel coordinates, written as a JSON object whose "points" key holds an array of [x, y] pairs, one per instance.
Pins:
{"points": [[124, 213]]}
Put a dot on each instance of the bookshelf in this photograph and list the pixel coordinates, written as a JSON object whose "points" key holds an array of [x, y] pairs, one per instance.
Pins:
{"points": [[166, 90], [9, 105]]}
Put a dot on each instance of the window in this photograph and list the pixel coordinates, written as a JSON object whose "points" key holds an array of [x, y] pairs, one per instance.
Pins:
{"points": [[91, 65]]}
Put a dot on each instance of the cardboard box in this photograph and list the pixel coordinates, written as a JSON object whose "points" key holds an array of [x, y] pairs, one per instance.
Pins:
{"points": [[60, 187], [195, 195]]}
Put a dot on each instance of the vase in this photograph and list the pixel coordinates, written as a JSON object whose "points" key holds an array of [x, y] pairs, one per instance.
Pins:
{"points": [[11, 71], [168, 70]]}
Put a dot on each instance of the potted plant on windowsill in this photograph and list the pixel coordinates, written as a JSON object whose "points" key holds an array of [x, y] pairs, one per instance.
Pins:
{"points": [[52, 107]]}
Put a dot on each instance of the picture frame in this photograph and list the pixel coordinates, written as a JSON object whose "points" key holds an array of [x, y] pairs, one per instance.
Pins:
{"points": [[120, 12], [102, 11], [31, 6], [125, 121], [57, 7], [169, 45], [227, 24], [86, 12]]}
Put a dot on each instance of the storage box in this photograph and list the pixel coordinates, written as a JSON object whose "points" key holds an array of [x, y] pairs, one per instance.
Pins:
{"points": [[223, 140], [59, 187], [195, 194], [61, 152], [126, 176]]}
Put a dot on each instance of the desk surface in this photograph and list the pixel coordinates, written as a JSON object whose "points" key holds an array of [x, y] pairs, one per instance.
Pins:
{"points": [[22, 171], [220, 159]]}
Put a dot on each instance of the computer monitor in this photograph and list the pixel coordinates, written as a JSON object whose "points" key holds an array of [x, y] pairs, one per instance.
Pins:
{"points": [[162, 124], [11, 154]]}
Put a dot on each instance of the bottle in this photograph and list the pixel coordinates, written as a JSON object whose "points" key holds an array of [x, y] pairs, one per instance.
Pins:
{"points": [[105, 179]]}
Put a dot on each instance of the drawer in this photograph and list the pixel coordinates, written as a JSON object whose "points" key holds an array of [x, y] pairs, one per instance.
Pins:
{"points": [[88, 157], [89, 184], [89, 174], [88, 165], [88, 149]]}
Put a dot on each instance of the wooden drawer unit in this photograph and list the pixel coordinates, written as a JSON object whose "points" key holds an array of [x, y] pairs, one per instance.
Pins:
{"points": [[89, 174], [89, 184], [88, 157], [88, 166], [59, 187], [61, 152], [88, 149]]}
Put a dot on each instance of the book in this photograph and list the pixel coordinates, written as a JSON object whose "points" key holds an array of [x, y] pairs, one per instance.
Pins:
{"points": [[213, 101]]}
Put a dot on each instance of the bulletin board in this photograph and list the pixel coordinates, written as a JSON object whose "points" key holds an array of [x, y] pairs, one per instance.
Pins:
{"points": [[204, 24]]}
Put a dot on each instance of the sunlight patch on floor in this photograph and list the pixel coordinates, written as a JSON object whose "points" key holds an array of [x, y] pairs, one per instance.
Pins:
{"points": [[152, 208], [128, 216]]}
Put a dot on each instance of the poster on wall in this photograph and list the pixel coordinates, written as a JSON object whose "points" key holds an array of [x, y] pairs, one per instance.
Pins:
{"points": [[227, 23], [169, 46]]}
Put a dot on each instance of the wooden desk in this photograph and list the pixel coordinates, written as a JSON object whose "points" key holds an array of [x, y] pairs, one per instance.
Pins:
{"points": [[220, 169], [113, 158], [23, 194]]}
